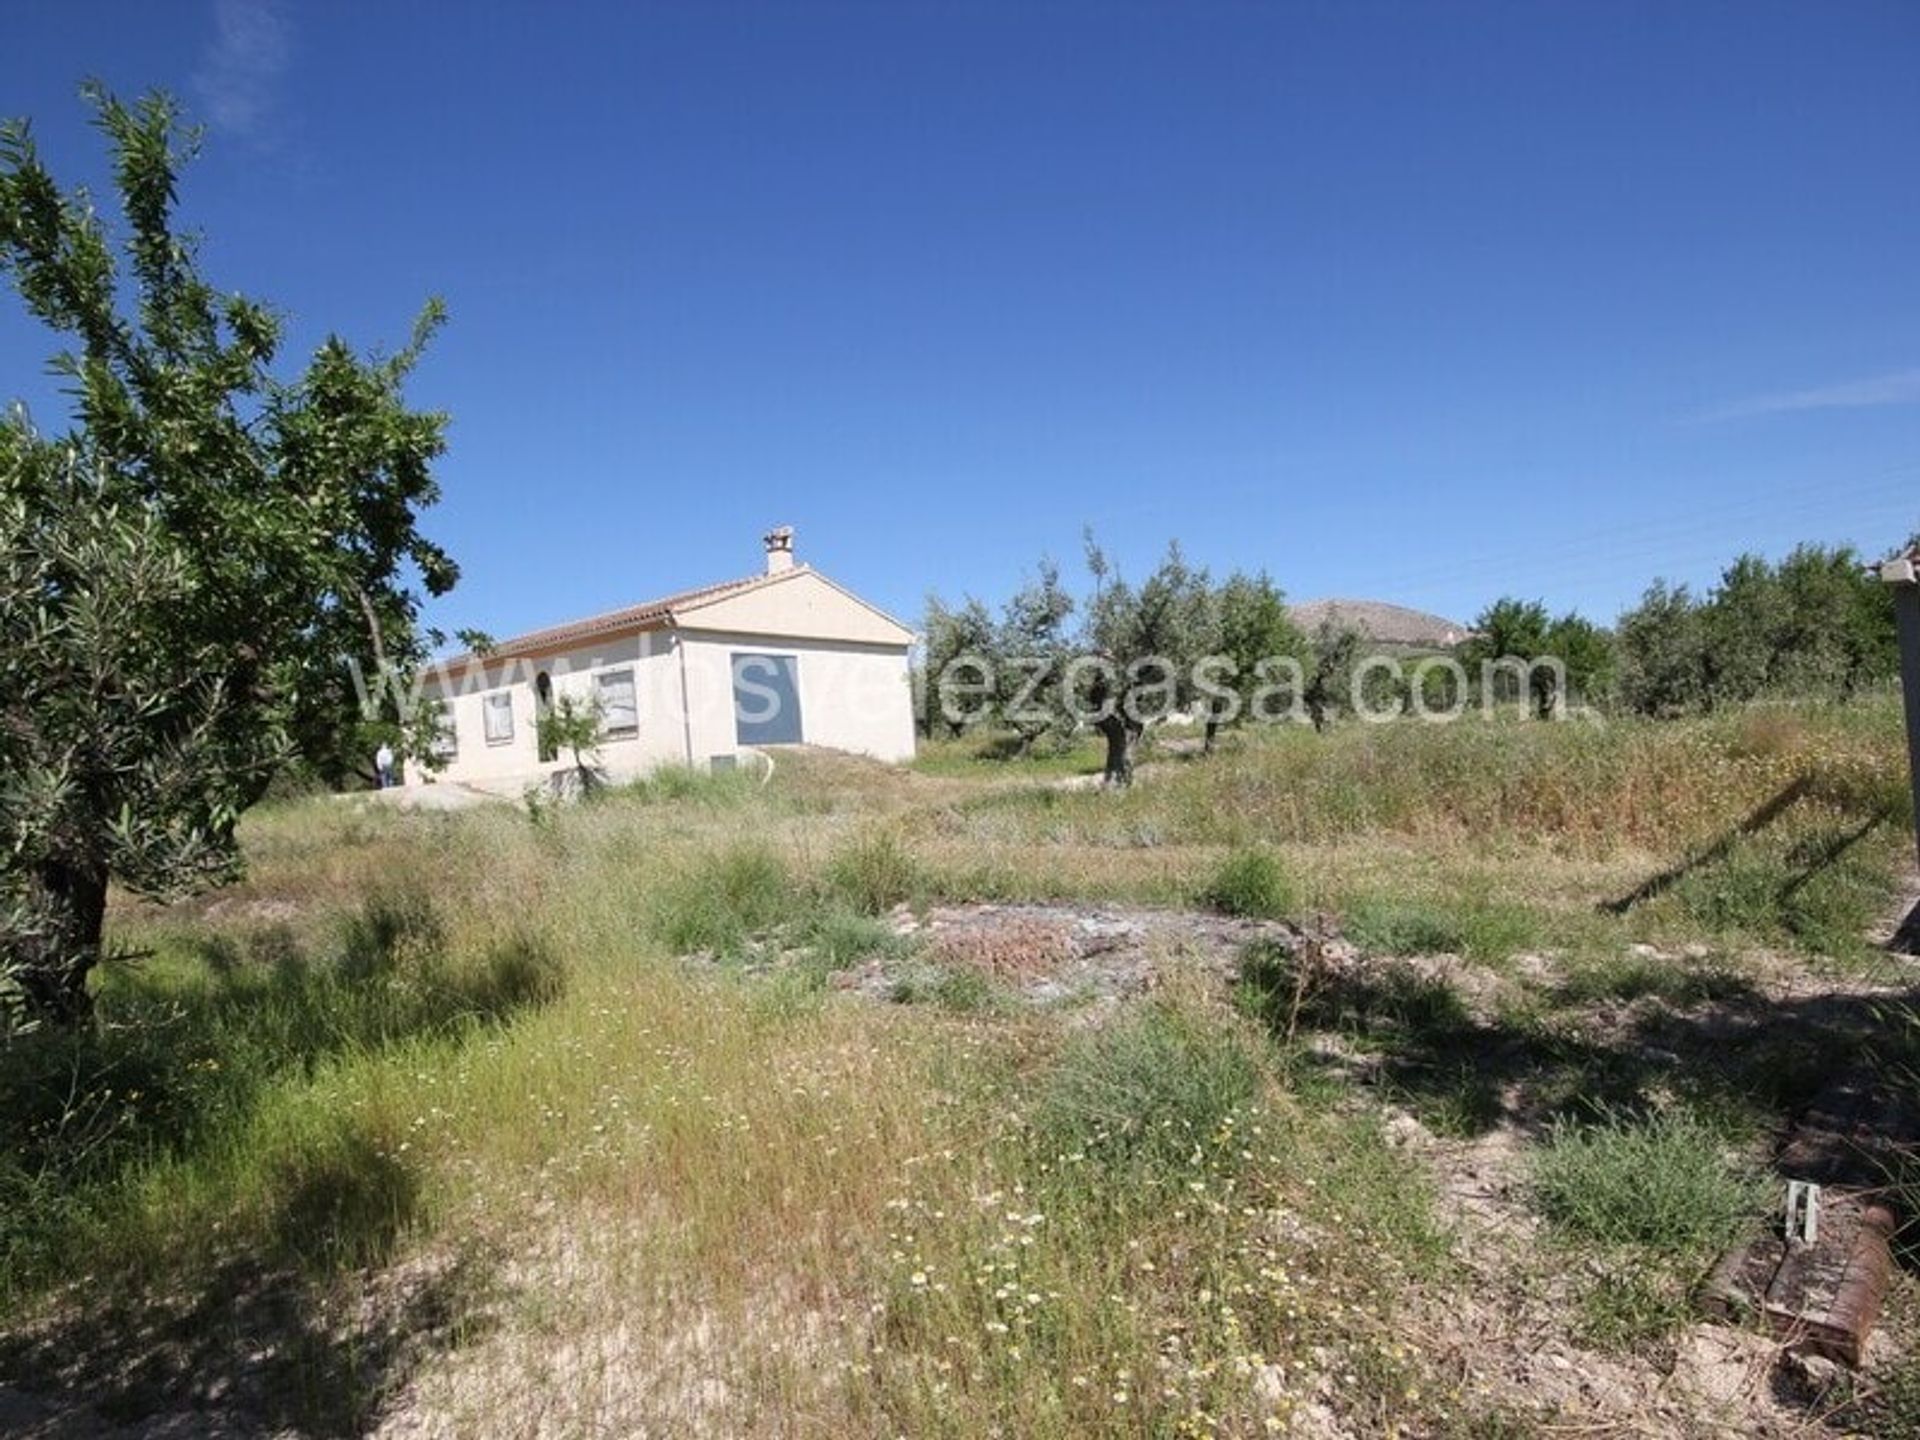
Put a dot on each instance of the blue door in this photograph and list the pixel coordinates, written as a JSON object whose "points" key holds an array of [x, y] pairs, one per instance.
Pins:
{"points": [[766, 699]]}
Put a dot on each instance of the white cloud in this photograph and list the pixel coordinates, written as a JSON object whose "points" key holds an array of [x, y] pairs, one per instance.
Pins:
{"points": [[1901, 387], [241, 70]]}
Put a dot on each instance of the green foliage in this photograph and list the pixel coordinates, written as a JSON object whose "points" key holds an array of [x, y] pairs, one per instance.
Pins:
{"points": [[1560, 661], [961, 644], [185, 569], [1031, 648], [722, 902], [1252, 883], [1663, 1182], [1663, 648], [1251, 629], [1513, 630], [1141, 1095], [197, 1039], [873, 873], [572, 725], [1336, 654], [1482, 929], [1819, 623]]}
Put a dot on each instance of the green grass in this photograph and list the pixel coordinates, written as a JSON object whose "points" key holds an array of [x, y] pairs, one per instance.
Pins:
{"points": [[1252, 884], [720, 903], [1141, 1095], [405, 1036], [1479, 928], [192, 1079], [958, 988], [987, 754], [1655, 1198], [1818, 889], [873, 873], [1662, 1182]]}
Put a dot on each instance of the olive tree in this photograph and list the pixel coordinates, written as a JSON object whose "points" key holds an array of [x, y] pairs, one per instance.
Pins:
{"points": [[1254, 649], [185, 570], [1144, 645]]}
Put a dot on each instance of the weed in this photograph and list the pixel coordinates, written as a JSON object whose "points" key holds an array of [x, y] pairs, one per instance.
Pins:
{"points": [[1144, 1093], [1252, 883], [1481, 929], [1660, 1181], [962, 988], [873, 874], [719, 903], [836, 938]]}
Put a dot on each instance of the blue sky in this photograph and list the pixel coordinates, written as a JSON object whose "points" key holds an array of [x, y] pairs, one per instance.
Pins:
{"points": [[1426, 303]]}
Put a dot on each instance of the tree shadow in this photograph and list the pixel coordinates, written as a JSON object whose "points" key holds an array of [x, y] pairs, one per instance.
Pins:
{"points": [[1905, 939], [1728, 1047], [279, 1339], [1762, 816], [258, 1270]]}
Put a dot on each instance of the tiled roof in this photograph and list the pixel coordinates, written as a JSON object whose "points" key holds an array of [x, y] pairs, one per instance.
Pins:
{"points": [[649, 615]]}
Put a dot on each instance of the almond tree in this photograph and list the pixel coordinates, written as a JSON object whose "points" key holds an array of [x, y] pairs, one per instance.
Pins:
{"points": [[185, 570]]}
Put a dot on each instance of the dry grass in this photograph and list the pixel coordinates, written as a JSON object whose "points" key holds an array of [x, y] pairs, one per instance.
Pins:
{"points": [[717, 1198]]}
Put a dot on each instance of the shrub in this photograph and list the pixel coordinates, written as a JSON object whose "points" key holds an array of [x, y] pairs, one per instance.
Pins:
{"points": [[1145, 1093], [1252, 883], [721, 904], [873, 874], [1661, 1181]]}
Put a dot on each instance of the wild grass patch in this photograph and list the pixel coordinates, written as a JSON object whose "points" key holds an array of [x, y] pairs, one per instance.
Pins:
{"points": [[719, 903], [873, 873], [1479, 928], [1656, 1196], [1141, 1095], [1252, 884], [1663, 1181]]}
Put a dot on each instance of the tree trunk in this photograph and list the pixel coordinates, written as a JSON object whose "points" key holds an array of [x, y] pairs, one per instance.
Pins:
{"points": [[1120, 736], [54, 964], [1212, 733]]}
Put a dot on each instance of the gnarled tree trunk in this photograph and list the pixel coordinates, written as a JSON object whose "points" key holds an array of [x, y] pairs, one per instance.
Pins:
{"points": [[70, 909], [1120, 734]]}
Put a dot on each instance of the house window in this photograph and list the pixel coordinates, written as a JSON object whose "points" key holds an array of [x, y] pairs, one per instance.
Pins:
{"points": [[499, 718], [542, 708], [446, 735], [619, 708]]}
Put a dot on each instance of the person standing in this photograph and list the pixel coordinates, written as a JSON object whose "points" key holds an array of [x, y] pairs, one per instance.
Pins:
{"points": [[383, 765]]}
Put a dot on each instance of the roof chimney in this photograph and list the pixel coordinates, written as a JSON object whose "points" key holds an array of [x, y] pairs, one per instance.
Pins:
{"points": [[779, 544]]}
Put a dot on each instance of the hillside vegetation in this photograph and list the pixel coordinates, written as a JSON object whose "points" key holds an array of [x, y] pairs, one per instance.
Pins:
{"points": [[675, 1113]]}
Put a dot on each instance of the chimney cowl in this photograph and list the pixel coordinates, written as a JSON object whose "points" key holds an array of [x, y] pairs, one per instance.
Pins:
{"points": [[779, 543]]}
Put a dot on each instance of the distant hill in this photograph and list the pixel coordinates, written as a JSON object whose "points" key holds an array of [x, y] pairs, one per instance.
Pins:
{"points": [[1382, 623]]}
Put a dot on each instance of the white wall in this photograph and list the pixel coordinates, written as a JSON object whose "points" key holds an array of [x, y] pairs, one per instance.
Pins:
{"points": [[853, 697], [513, 766], [802, 605]]}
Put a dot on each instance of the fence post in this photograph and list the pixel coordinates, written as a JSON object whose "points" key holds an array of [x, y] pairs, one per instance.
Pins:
{"points": [[1900, 574]]}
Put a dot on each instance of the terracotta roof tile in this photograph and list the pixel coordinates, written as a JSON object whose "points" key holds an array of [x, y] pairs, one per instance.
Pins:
{"points": [[648, 615]]}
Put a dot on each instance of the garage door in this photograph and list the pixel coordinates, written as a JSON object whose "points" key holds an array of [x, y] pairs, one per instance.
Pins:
{"points": [[766, 699]]}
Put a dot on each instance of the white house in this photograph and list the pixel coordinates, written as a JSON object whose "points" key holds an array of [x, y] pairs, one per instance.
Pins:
{"points": [[785, 657]]}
